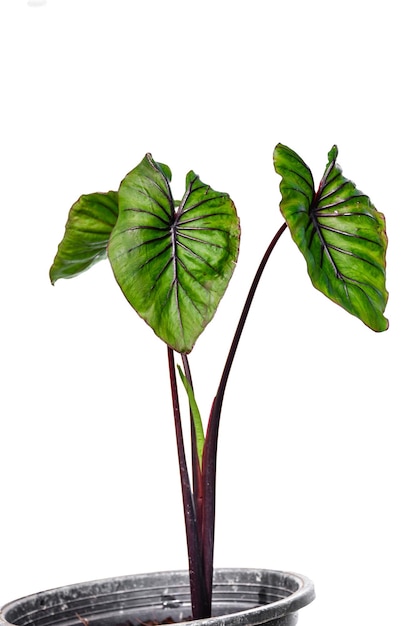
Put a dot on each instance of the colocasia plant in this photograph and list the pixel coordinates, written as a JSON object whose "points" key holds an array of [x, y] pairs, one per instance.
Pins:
{"points": [[173, 261]]}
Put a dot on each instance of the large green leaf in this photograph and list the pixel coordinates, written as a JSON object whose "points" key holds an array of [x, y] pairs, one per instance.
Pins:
{"points": [[173, 263], [340, 233], [90, 222]]}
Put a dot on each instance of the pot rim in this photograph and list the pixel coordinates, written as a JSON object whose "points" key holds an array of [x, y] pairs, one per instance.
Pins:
{"points": [[300, 589]]}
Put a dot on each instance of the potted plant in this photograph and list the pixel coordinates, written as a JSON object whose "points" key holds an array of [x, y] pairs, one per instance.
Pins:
{"points": [[173, 261]]}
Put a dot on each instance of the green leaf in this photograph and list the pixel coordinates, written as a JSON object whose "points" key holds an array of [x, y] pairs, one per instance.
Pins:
{"points": [[340, 233], [173, 263], [195, 414], [90, 222]]}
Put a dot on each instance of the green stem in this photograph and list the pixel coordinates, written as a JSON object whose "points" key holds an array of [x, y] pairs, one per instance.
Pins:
{"points": [[196, 462]]}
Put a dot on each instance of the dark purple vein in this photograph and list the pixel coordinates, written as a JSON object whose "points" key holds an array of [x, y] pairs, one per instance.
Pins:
{"points": [[336, 215], [324, 196], [197, 205], [355, 199], [151, 242], [151, 213], [336, 231], [205, 216], [354, 255], [165, 191], [196, 256], [152, 259], [309, 183], [198, 240]]}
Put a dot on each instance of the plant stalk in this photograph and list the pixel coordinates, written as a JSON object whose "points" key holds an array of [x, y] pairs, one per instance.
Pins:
{"points": [[201, 607], [210, 447]]}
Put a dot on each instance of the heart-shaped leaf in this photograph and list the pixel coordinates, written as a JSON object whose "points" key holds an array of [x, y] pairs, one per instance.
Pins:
{"points": [[90, 222], [173, 261], [340, 233]]}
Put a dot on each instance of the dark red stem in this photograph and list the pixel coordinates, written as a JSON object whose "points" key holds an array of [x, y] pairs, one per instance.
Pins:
{"points": [[201, 605], [210, 446]]}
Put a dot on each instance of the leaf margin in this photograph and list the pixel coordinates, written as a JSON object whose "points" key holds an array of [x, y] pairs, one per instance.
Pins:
{"points": [[86, 236]]}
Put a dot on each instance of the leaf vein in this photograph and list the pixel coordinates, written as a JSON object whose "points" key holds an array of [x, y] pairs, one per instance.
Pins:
{"points": [[291, 171], [196, 256], [348, 234], [354, 255]]}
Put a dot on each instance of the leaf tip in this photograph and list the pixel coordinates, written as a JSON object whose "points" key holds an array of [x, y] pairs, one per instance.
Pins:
{"points": [[52, 276], [383, 327], [279, 148], [333, 153]]}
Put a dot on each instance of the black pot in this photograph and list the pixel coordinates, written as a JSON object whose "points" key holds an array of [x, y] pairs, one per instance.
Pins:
{"points": [[241, 597]]}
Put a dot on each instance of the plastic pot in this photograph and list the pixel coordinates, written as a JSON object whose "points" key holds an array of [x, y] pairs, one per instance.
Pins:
{"points": [[241, 597]]}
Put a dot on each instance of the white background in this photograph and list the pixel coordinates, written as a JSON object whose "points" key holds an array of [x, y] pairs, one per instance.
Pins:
{"points": [[317, 464]]}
